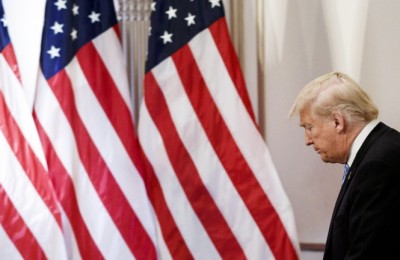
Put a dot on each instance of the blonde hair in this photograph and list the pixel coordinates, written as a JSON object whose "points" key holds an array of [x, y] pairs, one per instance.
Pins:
{"points": [[336, 91]]}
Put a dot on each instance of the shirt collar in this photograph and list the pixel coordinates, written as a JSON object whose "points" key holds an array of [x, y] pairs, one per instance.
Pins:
{"points": [[360, 140]]}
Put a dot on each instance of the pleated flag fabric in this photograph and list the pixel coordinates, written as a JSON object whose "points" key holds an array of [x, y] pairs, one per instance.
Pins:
{"points": [[198, 181], [83, 115], [212, 182], [30, 219]]}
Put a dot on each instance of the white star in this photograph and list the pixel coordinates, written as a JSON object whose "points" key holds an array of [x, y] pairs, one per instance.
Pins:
{"points": [[61, 4], [171, 13], [57, 28], [74, 34], [94, 17], [167, 37], [215, 3], [54, 52], [190, 19], [75, 9], [4, 21], [153, 6]]}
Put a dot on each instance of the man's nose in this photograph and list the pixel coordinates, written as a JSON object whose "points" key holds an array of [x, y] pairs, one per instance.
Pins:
{"points": [[308, 139]]}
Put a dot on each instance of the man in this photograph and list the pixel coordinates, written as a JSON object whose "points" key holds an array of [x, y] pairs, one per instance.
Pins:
{"points": [[340, 122]]}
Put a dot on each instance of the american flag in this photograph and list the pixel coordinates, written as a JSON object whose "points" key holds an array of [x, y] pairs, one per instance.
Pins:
{"points": [[83, 115], [215, 190], [30, 219]]}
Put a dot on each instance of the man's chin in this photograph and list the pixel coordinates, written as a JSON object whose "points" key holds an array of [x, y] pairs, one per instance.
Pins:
{"points": [[326, 159]]}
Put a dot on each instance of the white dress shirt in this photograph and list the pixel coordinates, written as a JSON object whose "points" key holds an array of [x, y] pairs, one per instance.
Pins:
{"points": [[360, 140]]}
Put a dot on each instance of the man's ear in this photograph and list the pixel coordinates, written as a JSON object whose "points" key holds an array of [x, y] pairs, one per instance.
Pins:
{"points": [[339, 121]]}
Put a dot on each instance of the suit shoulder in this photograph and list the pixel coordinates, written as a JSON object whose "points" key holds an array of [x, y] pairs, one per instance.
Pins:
{"points": [[387, 146]]}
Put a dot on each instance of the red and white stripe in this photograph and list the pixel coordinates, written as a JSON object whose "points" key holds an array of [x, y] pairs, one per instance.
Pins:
{"points": [[216, 175], [30, 218], [7, 248], [84, 119]]}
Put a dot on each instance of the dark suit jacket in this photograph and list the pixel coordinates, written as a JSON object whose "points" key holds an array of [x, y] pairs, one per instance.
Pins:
{"points": [[366, 219]]}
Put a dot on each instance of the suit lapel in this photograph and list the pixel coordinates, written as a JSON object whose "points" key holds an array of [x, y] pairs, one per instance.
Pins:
{"points": [[375, 133]]}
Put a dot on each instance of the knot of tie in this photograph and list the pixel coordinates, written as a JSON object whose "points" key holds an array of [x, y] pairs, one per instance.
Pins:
{"points": [[345, 172]]}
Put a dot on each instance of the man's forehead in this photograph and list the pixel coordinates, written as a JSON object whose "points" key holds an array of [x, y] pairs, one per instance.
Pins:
{"points": [[305, 115]]}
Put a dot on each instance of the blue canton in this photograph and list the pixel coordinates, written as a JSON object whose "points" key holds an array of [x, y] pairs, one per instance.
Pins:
{"points": [[68, 25], [4, 37], [175, 22]]}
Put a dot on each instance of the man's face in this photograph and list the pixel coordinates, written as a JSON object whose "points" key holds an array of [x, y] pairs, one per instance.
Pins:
{"points": [[323, 135]]}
